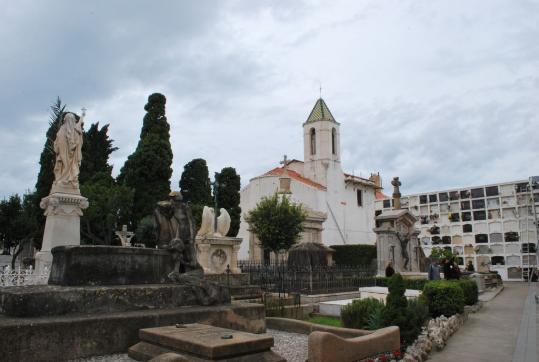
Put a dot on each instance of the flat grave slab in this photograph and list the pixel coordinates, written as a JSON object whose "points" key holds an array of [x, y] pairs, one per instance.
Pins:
{"points": [[205, 343]]}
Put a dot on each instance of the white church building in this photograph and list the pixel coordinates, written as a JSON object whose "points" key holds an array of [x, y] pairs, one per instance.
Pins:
{"points": [[340, 206]]}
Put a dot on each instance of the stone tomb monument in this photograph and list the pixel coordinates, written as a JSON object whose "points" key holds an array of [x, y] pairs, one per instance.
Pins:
{"points": [[396, 238], [202, 343], [99, 297], [216, 252], [63, 207]]}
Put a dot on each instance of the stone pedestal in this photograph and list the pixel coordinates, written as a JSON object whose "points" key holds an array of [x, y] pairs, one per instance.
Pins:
{"points": [[397, 242], [215, 253], [63, 212]]}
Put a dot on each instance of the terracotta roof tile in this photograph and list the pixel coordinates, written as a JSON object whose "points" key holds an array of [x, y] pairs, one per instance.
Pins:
{"points": [[278, 171]]}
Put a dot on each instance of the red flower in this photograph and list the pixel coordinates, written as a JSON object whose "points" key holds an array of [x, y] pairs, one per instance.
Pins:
{"points": [[382, 358], [397, 354], [370, 360]]}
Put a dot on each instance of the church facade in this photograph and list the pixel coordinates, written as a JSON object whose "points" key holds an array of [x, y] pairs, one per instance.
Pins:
{"points": [[340, 206]]}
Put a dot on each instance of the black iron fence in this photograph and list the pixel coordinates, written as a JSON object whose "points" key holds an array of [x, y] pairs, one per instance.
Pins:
{"points": [[282, 278]]}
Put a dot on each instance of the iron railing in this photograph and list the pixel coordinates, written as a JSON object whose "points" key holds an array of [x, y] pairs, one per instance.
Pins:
{"points": [[282, 278]]}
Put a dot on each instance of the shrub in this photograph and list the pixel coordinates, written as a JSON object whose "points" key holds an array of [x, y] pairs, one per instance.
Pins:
{"points": [[444, 297], [396, 304], [357, 314], [354, 254], [417, 313], [416, 284], [470, 291]]}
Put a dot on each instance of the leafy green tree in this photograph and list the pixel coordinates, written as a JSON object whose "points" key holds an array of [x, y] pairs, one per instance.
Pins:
{"points": [[110, 204], [148, 169], [276, 222], [195, 187], [45, 177], [11, 229], [17, 223], [228, 196]]}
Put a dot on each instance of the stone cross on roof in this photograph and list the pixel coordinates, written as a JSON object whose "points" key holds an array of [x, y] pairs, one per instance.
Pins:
{"points": [[284, 162]]}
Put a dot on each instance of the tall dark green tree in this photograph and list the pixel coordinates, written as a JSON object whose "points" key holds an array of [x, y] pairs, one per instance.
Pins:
{"points": [[195, 187], [96, 150], [195, 183], [110, 203], [45, 177], [147, 171], [228, 196]]}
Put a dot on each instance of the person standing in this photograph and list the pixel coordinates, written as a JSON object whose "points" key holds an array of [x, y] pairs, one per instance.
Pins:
{"points": [[389, 270], [434, 270]]}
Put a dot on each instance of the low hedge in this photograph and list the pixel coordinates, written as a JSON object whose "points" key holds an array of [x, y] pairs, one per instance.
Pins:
{"points": [[357, 254], [416, 284], [470, 290], [444, 297]]}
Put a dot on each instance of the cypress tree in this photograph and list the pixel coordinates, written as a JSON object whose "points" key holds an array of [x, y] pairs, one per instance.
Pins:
{"points": [[147, 171], [228, 196], [96, 150], [195, 182], [196, 187]]}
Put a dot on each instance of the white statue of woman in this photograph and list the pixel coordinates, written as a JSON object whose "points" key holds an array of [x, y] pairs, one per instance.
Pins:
{"points": [[67, 147]]}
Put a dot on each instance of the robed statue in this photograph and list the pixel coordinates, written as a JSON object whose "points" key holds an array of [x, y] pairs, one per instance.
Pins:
{"points": [[68, 151]]}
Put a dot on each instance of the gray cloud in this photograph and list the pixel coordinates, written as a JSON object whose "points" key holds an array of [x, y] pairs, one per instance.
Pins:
{"points": [[442, 94]]}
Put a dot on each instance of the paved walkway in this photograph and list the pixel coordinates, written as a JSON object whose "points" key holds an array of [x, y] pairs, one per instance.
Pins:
{"points": [[491, 334]]}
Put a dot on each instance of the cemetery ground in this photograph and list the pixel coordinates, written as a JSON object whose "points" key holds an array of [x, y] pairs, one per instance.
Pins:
{"points": [[504, 329]]}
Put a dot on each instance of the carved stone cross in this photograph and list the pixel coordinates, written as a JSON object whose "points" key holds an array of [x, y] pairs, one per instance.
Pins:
{"points": [[125, 236]]}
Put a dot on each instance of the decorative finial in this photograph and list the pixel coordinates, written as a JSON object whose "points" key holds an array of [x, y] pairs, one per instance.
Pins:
{"points": [[320, 90], [83, 110]]}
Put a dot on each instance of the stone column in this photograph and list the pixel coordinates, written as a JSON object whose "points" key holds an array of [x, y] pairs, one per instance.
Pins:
{"points": [[62, 227]]}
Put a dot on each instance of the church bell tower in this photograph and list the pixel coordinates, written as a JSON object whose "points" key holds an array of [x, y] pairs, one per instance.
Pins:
{"points": [[322, 149]]}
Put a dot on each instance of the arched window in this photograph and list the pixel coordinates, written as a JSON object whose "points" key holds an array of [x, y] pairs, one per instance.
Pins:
{"points": [[334, 141], [313, 141]]}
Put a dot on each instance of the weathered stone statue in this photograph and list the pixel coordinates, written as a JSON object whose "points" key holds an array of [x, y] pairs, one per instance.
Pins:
{"points": [[176, 232], [67, 147]]}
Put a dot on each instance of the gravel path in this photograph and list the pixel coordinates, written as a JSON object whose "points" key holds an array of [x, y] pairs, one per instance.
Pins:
{"points": [[291, 346]]}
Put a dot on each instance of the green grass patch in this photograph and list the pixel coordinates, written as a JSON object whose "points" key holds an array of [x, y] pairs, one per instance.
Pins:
{"points": [[326, 321]]}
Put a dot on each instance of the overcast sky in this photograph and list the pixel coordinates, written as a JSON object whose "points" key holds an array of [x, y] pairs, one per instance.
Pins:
{"points": [[440, 93]]}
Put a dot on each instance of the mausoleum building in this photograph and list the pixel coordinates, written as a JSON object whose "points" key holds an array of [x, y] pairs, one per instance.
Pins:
{"points": [[492, 226], [341, 203]]}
